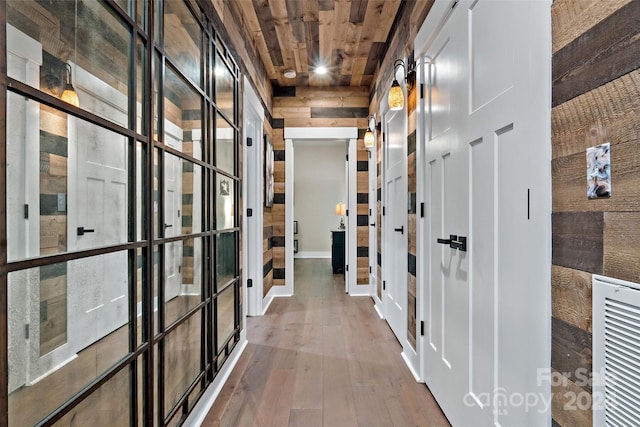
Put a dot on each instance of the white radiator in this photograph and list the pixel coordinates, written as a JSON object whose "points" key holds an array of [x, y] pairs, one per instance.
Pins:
{"points": [[616, 352]]}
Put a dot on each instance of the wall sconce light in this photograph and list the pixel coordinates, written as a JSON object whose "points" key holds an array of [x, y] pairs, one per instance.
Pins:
{"points": [[369, 139], [341, 210], [396, 97], [69, 94]]}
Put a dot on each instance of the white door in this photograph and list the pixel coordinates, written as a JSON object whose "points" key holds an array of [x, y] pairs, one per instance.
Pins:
{"points": [[172, 212], [394, 294], [252, 129], [373, 234], [97, 287], [97, 214], [487, 310]]}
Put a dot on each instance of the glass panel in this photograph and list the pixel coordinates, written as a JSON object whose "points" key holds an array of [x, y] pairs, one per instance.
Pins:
{"points": [[183, 278], [157, 68], [141, 199], [108, 406], [182, 116], [156, 288], [141, 390], [82, 304], [158, 230], [226, 258], [183, 39], [224, 145], [181, 359], [182, 196], [125, 5], [141, 13], [225, 202], [224, 88], [63, 215], [141, 89], [140, 289], [225, 321], [56, 44]]}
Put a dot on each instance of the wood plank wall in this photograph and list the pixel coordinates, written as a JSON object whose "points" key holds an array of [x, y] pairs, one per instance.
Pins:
{"points": [[596, 99], [323, 107]]}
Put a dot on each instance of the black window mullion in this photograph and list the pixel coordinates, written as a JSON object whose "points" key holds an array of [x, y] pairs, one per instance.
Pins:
{"points": [[148, 219]]}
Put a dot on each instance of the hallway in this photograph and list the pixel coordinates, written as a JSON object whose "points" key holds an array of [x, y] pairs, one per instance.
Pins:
{"points": [[322, 358]]}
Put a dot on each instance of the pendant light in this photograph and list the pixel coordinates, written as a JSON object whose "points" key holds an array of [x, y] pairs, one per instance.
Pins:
{"points": [[395, 98], [369, 139], [69, 94]]}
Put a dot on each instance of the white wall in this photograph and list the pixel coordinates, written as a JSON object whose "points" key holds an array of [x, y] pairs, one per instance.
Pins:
{"points": [[320, 183]]}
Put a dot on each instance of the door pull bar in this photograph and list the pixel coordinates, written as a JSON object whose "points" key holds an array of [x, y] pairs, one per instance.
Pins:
{"points": [[399, 230], [82, 230]]}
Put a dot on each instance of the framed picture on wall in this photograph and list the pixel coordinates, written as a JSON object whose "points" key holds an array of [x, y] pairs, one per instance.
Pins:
{"points": [[268, 172], [295, 227], [295, 246]]}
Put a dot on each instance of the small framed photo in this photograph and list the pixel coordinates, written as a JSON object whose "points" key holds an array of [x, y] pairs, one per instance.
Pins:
{"points": [[268, 172], [295, 246], [599, 171], [295, 227]]}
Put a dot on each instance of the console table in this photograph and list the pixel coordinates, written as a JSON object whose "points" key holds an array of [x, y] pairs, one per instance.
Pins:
{"points": [[337, 251]]}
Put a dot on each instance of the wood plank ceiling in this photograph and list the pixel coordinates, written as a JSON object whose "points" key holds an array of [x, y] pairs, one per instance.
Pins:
{"points": [[346, 36]]}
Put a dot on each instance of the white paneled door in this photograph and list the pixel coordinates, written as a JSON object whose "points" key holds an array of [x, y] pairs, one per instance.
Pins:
{"points": [[487, 181], [394, 294]]}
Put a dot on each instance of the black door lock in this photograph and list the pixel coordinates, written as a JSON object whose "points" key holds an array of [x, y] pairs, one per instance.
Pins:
{"points": [[455, 242]]}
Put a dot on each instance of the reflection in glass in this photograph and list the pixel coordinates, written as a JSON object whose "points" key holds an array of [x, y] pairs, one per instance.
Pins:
{"points": [[141, 88], [182, 359], [224, 88], [125, 5], [94, 203], [224, 145], [225, 315], [225, 202], [77, 316], [79, 34], [141, 200], [183, 116], [183, 278], [156, 287], [226, 258], [108, 406], [182, 196], [183, 39], [141, 276]]}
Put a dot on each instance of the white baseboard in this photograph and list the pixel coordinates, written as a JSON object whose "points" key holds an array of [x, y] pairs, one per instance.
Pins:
{"points": [[202, 408], [364, 293], [266, 302], [410, 366], [377, 308], [312, 255]]}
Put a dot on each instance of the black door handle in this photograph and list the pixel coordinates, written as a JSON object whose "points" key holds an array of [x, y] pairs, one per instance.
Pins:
{"points": [[373, 225], [82, 230], [455, 242], [168, 226], [450, 241], [399, 230]]}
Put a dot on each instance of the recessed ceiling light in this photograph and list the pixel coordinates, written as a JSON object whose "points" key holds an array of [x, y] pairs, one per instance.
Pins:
{"points": [[289, 73], [321, 69]]}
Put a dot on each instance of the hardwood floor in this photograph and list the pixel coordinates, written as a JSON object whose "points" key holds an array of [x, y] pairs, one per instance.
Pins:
{"points": [[322, 358]]}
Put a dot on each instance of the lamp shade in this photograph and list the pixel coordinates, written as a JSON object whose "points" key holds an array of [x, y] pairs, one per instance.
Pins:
{"points": [[368, 139], [341, 209], [70, 95], [396, 97]]}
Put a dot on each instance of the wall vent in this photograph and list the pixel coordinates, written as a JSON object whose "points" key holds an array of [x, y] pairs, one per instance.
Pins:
{"points": [[616, 352]]}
